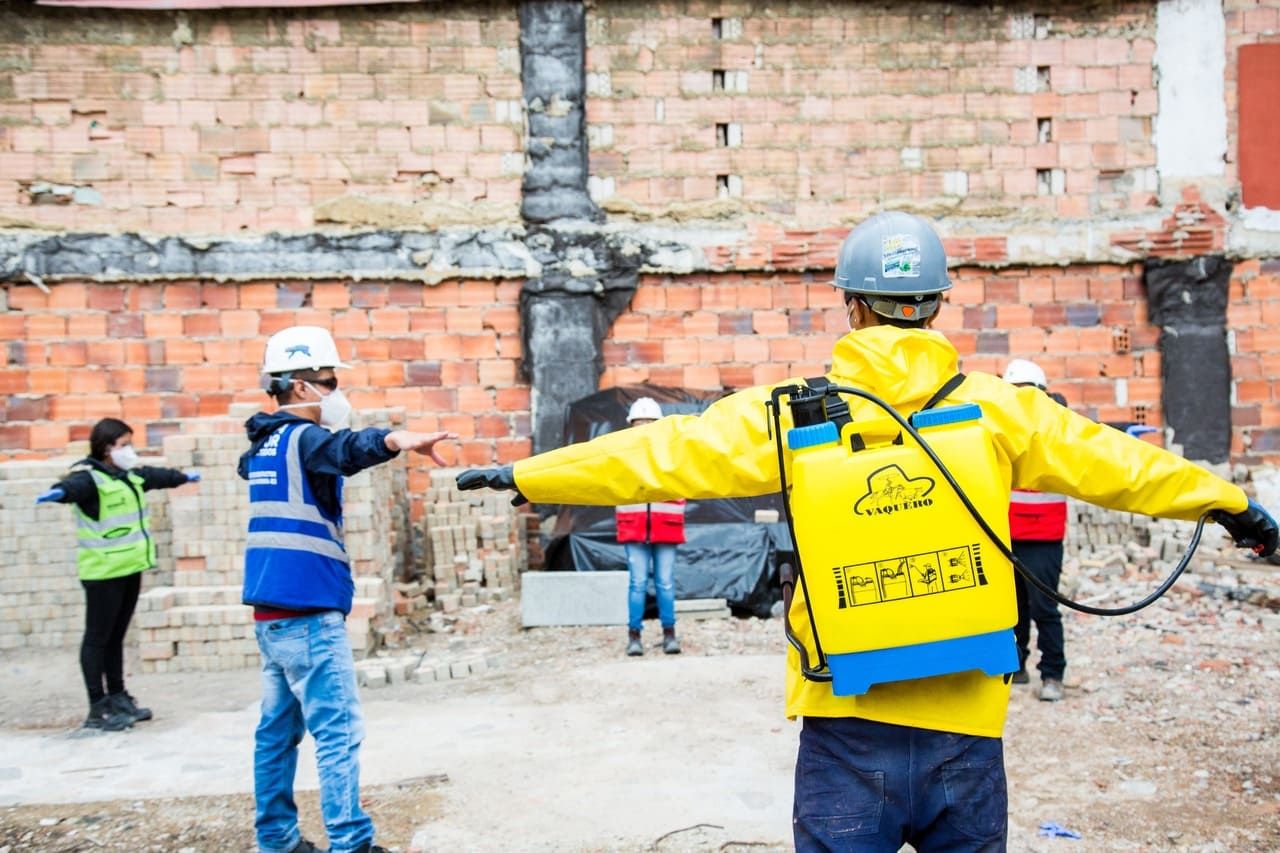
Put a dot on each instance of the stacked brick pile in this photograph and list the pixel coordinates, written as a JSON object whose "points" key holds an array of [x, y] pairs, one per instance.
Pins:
{"points": [[475, 544], [41, 602]]}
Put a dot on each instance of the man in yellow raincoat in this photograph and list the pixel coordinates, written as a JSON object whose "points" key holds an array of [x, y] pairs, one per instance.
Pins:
{"points": [[912, 761]]}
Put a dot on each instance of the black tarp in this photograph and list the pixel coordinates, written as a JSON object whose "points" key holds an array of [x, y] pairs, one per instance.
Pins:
{"points": [[727, 555]]}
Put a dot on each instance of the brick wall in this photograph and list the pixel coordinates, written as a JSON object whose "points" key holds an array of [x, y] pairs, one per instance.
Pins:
{"points": [[821, 113], [219, 122], [1253, 315], [154, 354], [1085, 325]]}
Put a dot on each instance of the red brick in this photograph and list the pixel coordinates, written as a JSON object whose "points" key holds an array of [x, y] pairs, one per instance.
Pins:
{"points": [[163, 325], [15, 437], [240, 324]]}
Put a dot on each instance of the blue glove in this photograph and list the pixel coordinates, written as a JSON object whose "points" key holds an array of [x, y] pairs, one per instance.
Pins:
{"points": [[1136, 430], [192, 476], [51, 496]]}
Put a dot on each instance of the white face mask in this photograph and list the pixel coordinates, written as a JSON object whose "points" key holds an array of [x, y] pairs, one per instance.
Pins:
{"points": [[124, 457], [335, 408]]}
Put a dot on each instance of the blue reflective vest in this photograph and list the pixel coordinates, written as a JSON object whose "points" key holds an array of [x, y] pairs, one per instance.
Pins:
{"points": [[294, 557]]}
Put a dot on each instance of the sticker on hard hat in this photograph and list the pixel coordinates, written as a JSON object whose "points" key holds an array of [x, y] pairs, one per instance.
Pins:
{"points": [[900, 256], [911, 576], [298, 349], [890, 490]]}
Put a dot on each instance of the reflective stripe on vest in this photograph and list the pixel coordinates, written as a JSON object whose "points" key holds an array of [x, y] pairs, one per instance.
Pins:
{"points": [[661, 523], [116, 543], [296, 523], [294, 556], [1037, 516]]}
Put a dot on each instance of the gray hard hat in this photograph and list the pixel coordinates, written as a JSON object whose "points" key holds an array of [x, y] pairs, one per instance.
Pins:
{"points": [[896, 263]]}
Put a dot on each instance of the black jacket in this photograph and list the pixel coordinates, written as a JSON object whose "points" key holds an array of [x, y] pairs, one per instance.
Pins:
{"points": [[327, 457], [79, 489]]}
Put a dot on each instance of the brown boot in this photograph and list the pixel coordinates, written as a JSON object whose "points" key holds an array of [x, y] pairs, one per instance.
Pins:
{"points": [[670, 645], [634, 647]]}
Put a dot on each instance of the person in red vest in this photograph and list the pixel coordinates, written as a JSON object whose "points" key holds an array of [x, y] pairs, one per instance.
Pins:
{"points": [[650, 533], [1037, 526]]}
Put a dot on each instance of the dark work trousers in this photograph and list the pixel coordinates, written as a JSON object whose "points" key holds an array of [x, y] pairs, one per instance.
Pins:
{"points": [[1044, 559], [108, 608], [868, 786]]}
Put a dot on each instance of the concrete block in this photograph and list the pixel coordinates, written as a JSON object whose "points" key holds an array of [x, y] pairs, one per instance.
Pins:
{"points": [[691, 605], [573, 598]]}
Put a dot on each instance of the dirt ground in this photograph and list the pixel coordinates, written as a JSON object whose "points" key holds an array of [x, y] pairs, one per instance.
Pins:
{"points": [[1167, 740]]}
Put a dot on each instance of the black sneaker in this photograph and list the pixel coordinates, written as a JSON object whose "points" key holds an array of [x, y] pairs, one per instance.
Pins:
{"points": [[1021, 677], [104, 715], [305, 846], [125, 704]]}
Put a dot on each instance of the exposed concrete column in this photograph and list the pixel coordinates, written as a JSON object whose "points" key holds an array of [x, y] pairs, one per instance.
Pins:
{"points": [[1188, 301], [566, 311], [1191, 125]]}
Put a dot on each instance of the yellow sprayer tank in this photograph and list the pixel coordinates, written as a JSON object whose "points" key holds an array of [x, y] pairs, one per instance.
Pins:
{"points": [[902, 581]]}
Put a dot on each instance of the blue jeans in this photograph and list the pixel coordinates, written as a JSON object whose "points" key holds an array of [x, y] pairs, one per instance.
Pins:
{"points": [[308, 684], [663, 557], [868, 786]]}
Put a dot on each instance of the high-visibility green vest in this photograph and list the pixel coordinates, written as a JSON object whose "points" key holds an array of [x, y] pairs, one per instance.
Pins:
{"points": [[117, 543]]}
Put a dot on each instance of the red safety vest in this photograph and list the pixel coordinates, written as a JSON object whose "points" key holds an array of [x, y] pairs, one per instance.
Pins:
{"points": [[1037, 516], [660, 523]]}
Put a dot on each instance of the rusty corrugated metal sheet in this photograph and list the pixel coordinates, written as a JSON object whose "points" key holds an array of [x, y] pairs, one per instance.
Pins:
{"points": [[164, 5]]}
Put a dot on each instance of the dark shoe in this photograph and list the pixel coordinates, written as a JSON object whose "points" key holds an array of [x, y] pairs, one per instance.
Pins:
{"points": [[1050, 690], [670, 645], [634, 647], [1021, 677], [305, 846], [125, 704], [104, 715], [371, 848]]}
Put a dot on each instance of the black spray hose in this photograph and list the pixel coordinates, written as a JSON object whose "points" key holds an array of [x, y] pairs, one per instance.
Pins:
{"points": [[1017, 564], [821, 673]]}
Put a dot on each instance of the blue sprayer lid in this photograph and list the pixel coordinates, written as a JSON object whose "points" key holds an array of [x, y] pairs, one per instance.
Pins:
{"points": [[812, 436], [946, 415]]}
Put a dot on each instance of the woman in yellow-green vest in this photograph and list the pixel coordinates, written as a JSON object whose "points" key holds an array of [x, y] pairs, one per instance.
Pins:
{"points": [[114, 548]]}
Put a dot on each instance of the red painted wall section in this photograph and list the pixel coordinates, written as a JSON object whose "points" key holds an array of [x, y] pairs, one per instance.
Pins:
{"points": [[1260, 125]]}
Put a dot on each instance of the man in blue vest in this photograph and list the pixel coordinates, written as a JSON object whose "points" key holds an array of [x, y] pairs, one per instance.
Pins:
{"points": [[298, 579]]}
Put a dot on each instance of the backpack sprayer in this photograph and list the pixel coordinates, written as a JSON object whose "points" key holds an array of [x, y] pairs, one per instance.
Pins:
{"points": [[928, 587]]}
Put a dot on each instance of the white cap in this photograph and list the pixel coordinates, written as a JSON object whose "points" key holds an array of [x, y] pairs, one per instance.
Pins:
{"points": [[1023, 372], [646, 408], [300, 348]]}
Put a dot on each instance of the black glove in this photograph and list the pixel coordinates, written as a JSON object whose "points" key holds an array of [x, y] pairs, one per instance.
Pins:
{"points": [[1254, 528], [502, 478]]}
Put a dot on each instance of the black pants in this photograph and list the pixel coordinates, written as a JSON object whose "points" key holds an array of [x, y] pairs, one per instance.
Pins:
{"points": [[1044, 559], [108, 608]]}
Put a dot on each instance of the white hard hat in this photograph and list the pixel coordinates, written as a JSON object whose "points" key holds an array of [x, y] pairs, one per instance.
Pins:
{"points": [[646, 408], [1023, 372], [300, 348]]}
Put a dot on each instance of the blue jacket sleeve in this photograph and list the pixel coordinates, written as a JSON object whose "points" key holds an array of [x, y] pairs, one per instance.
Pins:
{"points": [[344, 452]]}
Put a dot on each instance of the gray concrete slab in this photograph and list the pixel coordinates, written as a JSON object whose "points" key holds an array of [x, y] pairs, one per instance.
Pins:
{"points": [[573, 598]]}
